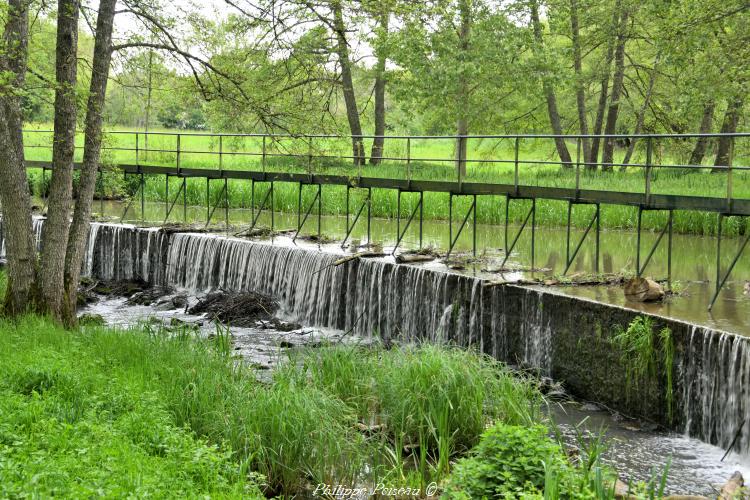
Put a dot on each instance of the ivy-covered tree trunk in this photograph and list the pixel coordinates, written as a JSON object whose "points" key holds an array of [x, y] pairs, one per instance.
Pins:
{"points": [[20, 244], [379, 141], [583, 124], [79, 228], [55, 230], [350, 98], [701, 145], [608, 154], [549, 92], [728, 126]]}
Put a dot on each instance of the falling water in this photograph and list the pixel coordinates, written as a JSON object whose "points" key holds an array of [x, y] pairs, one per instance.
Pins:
{"points": [[376, 297], [716, 388], [37, 223]]}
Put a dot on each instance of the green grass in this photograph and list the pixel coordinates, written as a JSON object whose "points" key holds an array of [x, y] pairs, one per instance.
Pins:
{"points": [[430, 161], [436, 400], [168, 413], [80, 417]]}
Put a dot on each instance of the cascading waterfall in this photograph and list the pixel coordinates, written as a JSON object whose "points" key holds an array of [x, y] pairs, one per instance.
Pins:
{"points": [[411, 303], [37, 224], [716, 397]]}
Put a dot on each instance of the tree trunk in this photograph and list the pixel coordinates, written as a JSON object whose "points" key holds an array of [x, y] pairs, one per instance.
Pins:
{"points": [[580, 91], [701, 145], [20, 243], [462, 123], [350, 98], [79, 228], [549, 92], [378, 141], [55, 231], [610, 128], [728, 126], [601, 106], [641, 116]]}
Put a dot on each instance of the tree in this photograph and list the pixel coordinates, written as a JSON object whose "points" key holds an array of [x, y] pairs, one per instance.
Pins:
{"points": [[549, 90], [14, 190], [55, 230]]}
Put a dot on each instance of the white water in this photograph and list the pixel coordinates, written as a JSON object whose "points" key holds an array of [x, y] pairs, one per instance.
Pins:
{"points": [[378, 298]]}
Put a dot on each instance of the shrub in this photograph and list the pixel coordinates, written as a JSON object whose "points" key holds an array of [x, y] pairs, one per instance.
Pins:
{"points": [[508, 461]]}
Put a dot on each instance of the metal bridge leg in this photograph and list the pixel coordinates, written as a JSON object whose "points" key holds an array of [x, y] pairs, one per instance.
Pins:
{"points": [[320, 210], [272, 205], [252, 199], [369, 211], [226, 202], [669, 249], [474, 228], [184, 200], [421, 216], [567, 237], [507, 215], [598, 232], [398, 215], [208, 201], [721, 281], [166, 197], [299, 204], [347, 215], [143, 200], [450, 220], [638, 242], [533, 233]]}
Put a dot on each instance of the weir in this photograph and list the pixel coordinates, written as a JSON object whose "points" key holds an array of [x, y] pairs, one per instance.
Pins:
{"points": [[563, 337]]}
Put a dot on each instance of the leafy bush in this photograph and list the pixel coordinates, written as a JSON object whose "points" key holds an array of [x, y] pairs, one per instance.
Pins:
{"points": [[508, 462]]}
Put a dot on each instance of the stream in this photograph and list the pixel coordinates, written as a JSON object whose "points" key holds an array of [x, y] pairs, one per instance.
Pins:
{"points": [[635, 449]]}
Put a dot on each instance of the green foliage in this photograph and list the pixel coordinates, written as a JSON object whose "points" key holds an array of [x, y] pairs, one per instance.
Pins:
{"points": [[428, 403], [75, 425], [647, 356], [508, 462]]}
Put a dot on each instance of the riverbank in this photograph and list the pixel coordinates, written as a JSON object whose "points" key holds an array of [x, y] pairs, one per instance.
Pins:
{"points": [[157, 411]]}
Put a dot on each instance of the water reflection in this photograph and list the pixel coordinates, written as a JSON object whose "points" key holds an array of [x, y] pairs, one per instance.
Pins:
{"points": [[693, 257]]}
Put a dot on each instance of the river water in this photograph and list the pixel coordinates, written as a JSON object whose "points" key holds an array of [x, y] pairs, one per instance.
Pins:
{"points": [[636, 451], [693, 258]]}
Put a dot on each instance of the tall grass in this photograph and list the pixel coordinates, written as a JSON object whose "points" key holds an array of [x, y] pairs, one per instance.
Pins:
{"points": [[429, 404], [171, 395]]}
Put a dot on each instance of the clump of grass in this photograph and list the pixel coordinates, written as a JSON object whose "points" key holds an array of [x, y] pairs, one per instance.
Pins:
{"points": [[647, 355], [430, 403]]}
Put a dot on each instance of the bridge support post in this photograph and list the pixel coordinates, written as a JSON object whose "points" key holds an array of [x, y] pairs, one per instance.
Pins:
{"points": [[263, 204], [365, 203], [722, 279], [399, 234], [319, 199], [170, 206], [531, 215], [569, 259], [473, 213], [668, 230], [143, 199]]}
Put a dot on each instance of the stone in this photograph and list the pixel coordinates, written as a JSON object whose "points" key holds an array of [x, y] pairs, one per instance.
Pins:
{"points": [[643, 290]]}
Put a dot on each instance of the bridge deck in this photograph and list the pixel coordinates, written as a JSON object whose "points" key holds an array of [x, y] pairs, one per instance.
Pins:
{"points": [[725, 206]]}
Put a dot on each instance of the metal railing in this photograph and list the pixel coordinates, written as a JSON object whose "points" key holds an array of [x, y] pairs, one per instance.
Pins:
{"points": [[319, 153]]}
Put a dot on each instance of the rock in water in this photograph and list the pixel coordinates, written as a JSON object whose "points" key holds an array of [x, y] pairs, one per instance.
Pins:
{"points": [[643, 290]]}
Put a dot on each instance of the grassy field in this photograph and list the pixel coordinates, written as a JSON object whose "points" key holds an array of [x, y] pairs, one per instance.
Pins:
{"points": [[490, 160]]}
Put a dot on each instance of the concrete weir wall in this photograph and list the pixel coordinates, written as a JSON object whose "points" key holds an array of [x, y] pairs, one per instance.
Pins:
{"points": [[566, 338]]}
